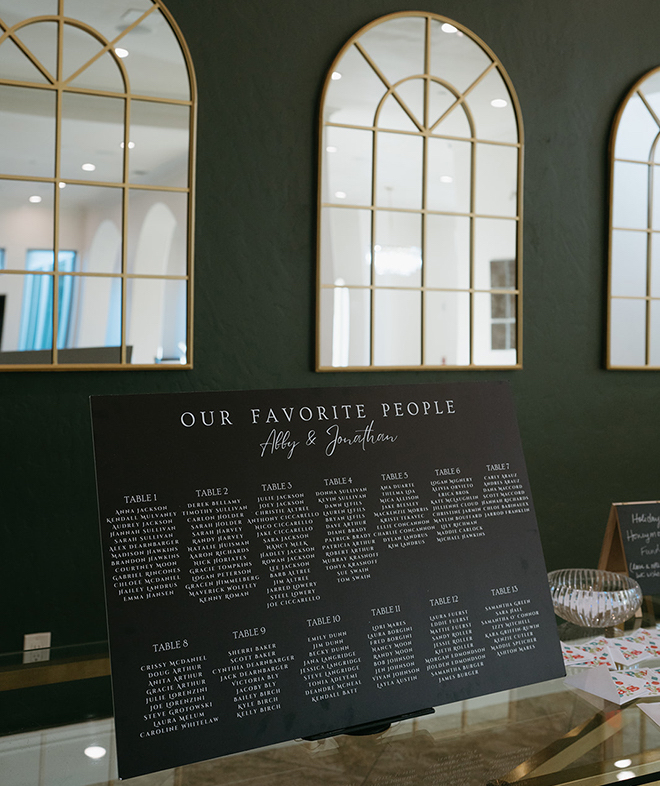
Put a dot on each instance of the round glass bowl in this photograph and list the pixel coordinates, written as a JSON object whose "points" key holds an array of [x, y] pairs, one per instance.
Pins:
{"points": [[594, 598]]}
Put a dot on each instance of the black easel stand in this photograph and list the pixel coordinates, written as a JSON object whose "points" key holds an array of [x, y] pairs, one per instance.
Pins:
{"points": [[373, 727]]}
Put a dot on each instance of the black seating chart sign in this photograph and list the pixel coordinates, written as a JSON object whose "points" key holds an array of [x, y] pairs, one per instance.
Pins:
{"points": [[286, 563], [632, 543]]}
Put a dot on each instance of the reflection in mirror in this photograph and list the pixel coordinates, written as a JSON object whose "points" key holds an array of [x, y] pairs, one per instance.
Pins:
{"points": [[450, 192], [156, 320], [456, 57], [92, 137], [397, 338], [346, 253], [27, 127], [346, 327], [634, 269], [158, 146], [497, 180], [415, 165], [629, 250], [12, 12], [156, 233], [398, 249], [347, 176], [397, 48], [447, 326], [447, 252], [26, 220], [399, 171], [84, 152], [628, 332], [495, 239], [495, 328]]}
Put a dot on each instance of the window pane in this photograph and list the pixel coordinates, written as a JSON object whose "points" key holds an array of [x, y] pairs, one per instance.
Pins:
{"points": [[457, 58], [345, 246], [156, 312], [41, 39], [157, 237], [654, 239], [411, 92], [352, 99], [27, 327], [15, 64], [495, 329], [397, 328], [654, 349], [492, 109], [27, 128], [155, 62], [448, 175], [392, 115], [397, 47], [630, 198], [26, 220], [447, 329], [79, 48], [456, 122], [102, 74], [36, 323], [399, 171], [94, 334], [90, 222], [92, 137], [158, 146], [398, 249], [108, 19], [345, 327], [497, 180], [629, 263], [447, 259], [627, 332], [12, 12], [494, 239], [347, 166], [636, 133], [650, 89]]}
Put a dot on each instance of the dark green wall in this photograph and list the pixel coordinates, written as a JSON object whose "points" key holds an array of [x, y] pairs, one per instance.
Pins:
{"points": [[590, 436]]}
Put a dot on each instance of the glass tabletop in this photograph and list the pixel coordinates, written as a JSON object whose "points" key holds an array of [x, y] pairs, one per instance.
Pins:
{"points": [[540, 735]]}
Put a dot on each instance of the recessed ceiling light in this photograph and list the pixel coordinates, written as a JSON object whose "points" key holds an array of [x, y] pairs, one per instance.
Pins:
{"points": [[89, 167], [622, 763], [340, 194], [131, 145], [499, 103], [336, 75], [447, 28], [331, 149], [34, 199], [61, 184], [446, 179], [121, 52], [95, 752]]}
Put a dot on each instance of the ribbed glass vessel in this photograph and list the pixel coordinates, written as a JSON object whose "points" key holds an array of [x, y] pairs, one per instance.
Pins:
{"points": [[594, 598]]}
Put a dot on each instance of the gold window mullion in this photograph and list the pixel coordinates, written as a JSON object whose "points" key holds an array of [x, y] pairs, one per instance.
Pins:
{"points": [[56, 186]]}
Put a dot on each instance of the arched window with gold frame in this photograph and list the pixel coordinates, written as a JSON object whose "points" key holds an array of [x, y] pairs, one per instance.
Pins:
{"points": [[97, 120], [420, 198], [633, 336]]}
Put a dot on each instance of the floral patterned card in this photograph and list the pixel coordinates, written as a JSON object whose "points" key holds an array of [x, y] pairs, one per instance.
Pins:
{"points": [[628, 649]]}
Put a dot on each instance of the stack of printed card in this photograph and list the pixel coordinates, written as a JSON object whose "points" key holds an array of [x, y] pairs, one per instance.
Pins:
{"points": [[609, 658]]}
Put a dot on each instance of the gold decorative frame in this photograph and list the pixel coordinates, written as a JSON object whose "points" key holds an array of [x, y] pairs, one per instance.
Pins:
{"points": [[59, 86], [649, 231], [425, 133]]}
